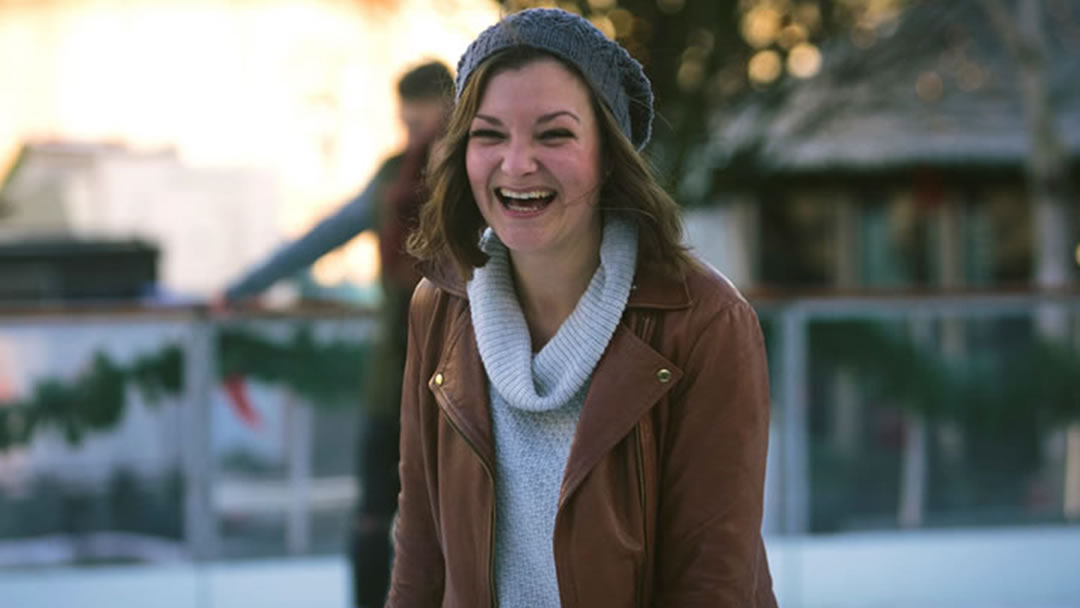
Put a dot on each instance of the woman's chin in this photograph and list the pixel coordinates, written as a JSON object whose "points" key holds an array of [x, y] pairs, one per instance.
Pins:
{"points": [[522, 241]]}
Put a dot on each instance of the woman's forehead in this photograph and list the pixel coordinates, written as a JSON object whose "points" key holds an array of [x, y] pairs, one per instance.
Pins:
{"points": [[544, 82]]}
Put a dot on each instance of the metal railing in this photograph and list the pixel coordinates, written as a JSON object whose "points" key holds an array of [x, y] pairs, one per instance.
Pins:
{"points": [[292, 491], [788, 508], [297, 492]]}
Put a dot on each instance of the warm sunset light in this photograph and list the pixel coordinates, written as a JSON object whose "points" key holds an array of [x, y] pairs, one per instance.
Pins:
{"points": [[301, 88], [761, 26], [804, 60], [765, 67], [792, 35]]}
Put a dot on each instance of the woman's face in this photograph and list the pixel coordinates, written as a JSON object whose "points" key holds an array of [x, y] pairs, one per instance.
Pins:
{"points": [[533, 159]]}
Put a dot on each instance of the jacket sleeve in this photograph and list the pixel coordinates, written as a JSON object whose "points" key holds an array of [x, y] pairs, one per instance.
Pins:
{"points": [[354, 217], [713, 470], [418, 573]]}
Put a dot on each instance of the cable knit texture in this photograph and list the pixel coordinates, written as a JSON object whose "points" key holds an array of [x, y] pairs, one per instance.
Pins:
{"points": [[536, 402]]}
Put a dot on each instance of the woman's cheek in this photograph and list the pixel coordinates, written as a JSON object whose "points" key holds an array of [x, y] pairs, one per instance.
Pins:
{"points": [[474, 171]]}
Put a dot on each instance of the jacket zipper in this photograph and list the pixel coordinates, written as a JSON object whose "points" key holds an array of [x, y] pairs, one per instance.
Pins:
{"points": [[491, 533], [644, 514], [643, 328]]}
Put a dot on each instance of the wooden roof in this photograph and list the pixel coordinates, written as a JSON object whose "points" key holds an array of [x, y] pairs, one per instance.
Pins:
{"points": [[863, 113]]}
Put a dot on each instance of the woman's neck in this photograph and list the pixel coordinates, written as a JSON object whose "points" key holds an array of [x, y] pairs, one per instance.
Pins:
{"points": [[548, 290]]}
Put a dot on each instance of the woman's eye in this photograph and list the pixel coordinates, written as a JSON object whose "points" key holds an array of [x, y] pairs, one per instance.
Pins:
{"points": [[555, 134], [484, 134]]}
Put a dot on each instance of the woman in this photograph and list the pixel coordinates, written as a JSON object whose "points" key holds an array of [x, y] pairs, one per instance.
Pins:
{"points": [[585, 408]]}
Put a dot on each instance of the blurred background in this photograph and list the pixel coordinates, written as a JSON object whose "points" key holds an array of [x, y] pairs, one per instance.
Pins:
{"points": [[892, 183]]}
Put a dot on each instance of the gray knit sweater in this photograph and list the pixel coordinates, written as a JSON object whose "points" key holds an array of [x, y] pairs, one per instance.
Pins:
{"points": [[536, 402]]}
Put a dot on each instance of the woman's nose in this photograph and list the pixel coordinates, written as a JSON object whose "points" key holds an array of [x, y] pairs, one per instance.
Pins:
{"points": [[519, 159]]}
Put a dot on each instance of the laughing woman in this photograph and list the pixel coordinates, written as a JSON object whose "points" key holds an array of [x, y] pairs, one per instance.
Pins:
{"points": [[585, 409]]}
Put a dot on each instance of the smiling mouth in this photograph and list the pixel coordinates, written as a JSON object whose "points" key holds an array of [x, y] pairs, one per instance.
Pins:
{"points": [[524, 202]]}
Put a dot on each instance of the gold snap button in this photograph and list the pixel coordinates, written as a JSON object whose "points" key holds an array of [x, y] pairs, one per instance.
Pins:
{"points": [[664, 375], [438, 379]]}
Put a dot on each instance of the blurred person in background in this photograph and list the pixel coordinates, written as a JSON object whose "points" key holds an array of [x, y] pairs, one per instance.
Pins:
{"points": [[585, 408], [390, 204]]}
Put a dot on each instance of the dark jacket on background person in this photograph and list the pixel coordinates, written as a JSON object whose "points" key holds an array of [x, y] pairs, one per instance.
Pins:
{"points": [[661, 499], [390, 204]]}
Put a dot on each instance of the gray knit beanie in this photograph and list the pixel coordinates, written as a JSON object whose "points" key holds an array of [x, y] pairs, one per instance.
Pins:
{"points": [[616, 76]]}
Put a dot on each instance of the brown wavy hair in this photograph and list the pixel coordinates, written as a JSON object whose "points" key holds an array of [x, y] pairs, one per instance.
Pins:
{"points": [[450, 221]]}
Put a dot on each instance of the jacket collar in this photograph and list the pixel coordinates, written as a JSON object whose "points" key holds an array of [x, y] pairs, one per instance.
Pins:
{"points": [[651, 290], [613, 405], [625, 386]]}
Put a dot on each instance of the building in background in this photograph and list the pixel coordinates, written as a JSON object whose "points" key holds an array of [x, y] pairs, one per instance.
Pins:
{"points": [[207, 223], [905, 164]]}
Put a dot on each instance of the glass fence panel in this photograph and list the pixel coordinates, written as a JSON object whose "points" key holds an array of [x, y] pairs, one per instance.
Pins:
{"points": [[97, 436], [934, 417], [135, 440], [929, 417], [286, 433], [91, 466]]}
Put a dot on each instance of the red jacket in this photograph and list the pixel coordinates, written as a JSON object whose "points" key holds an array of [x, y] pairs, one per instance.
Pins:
{"points": [[662, 497]]}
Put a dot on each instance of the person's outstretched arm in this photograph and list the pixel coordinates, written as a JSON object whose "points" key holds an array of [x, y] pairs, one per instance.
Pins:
{"points": [[354, 217]]}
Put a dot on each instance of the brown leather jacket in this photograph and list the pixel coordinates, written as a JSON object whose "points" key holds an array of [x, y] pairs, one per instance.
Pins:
{"points": [[661, 501]]}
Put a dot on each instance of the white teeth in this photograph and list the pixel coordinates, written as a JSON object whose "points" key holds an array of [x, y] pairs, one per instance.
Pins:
{"points": [[525, 196]]}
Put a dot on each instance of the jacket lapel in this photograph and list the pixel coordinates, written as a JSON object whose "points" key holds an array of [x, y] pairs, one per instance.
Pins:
{"points": [[624, 387]]}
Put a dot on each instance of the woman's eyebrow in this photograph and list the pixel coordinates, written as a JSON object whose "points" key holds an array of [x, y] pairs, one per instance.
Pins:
{"points": [[541, 120], [553, 115], [490, 119]]}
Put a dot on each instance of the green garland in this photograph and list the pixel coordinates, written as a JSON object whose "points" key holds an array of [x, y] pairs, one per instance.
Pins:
{"points": [[324, 374], [1039, 382], [94, 401], [329, 374]]}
